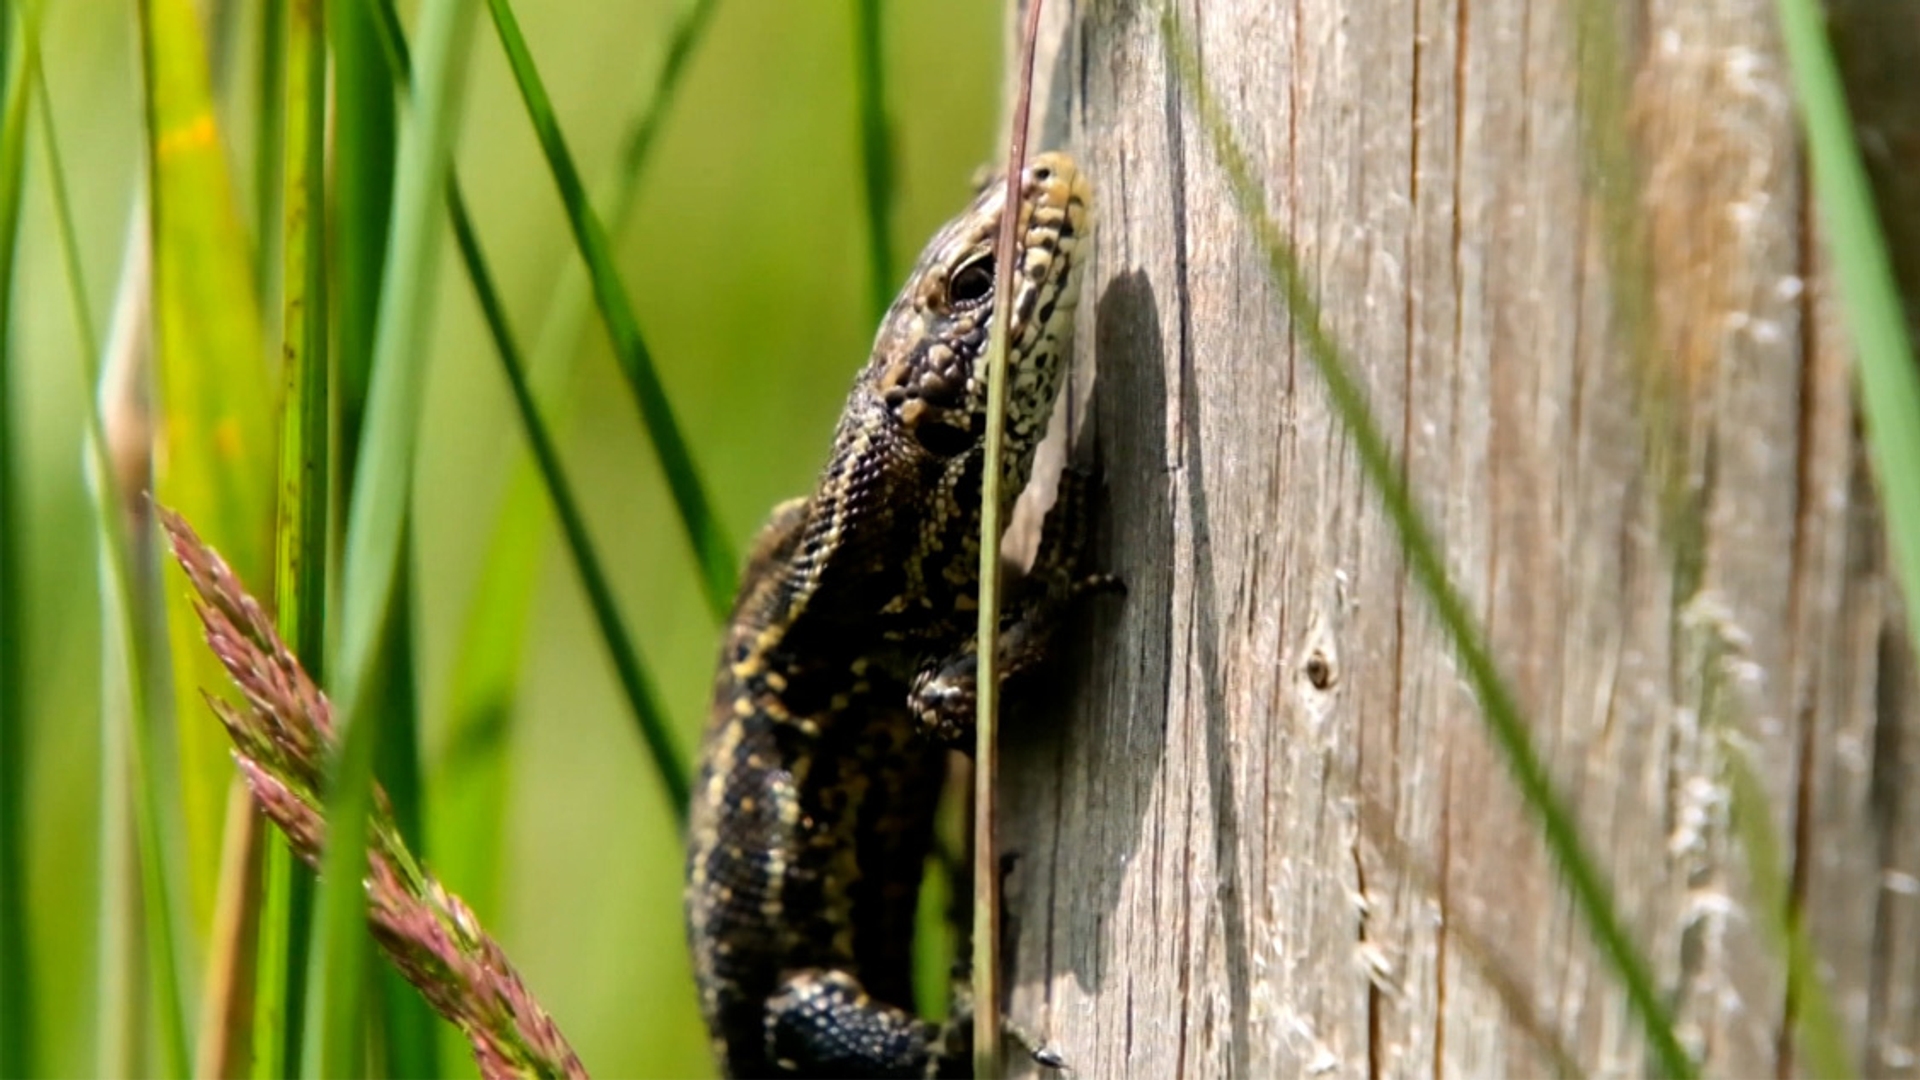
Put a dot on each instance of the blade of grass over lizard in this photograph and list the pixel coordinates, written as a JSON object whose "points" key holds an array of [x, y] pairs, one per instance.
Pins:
{"points": [[712, 550], [1590, 893], [475, 769], [986, 865], [16, 1028], [876, 152], [1889, 385], [634, 680], [376, 536]]}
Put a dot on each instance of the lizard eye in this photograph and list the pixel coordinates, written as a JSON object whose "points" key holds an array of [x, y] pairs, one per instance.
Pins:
{"points": [[972, 282]]}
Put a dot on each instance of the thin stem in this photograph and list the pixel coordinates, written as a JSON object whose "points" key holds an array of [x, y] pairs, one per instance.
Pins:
{"points": [[986, 875]]}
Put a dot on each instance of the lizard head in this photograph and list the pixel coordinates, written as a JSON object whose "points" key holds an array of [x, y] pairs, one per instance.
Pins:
{"points": [[929, 361]]}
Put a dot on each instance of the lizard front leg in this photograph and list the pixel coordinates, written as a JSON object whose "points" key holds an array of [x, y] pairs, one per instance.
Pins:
{"points": [[942, 696]]}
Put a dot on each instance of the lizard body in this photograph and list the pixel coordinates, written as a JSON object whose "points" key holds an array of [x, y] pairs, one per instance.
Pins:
{"points": [[846, 666]]}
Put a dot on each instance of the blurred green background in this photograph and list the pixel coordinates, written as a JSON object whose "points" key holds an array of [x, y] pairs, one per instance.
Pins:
{"points": [[747, 264]]}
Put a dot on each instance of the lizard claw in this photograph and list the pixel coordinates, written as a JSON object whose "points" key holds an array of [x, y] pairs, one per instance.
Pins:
{"points": [[1043, 1055]]}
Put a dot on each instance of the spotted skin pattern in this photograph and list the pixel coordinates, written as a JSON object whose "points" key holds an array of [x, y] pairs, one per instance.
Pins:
{"points": [[846, 664]]}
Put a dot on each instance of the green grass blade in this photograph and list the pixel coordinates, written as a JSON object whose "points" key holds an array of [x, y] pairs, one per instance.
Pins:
{"points": [[365, 153], [876, 152], [1590, 893], [137, 776], [269, 134], [474, 772], [1890, 397], [641, 696], [636, 684], [223, 31], [122, 917], [1613, 177], [123, 694], [125, 718], [1822, 1046], [376, 535], [567, 308], [16, 971], [280, 934], [117, 917], [292, 151], [407, 1043], [215, 461], [301, 531], [408, 1028], [84, 331], [163, 897], [712, 550], [682, 41], [1889, 384], [364, 147]]}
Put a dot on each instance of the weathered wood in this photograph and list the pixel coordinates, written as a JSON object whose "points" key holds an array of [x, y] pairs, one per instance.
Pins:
{"points": [[1262, 831]]}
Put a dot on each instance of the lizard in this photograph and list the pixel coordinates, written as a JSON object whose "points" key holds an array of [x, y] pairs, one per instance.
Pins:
{"points": [[847, 665]]}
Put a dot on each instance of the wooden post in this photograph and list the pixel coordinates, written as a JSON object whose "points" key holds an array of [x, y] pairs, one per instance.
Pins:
{"points": [[1570, 250]]}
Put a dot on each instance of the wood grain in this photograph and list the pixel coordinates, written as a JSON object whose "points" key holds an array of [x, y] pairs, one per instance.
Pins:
{"points": [[1260, 830]]}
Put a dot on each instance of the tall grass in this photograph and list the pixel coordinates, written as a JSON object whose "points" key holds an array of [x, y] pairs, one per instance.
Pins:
{"points": [[16, 1024], [302, 363]]}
